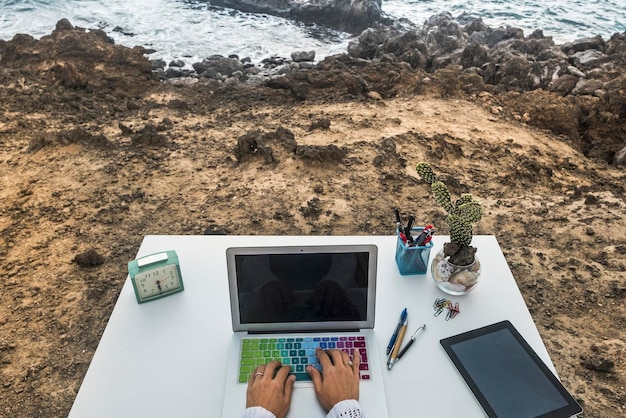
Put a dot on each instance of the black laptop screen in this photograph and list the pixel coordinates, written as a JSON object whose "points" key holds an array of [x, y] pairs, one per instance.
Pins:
{"points": [[306, 287]]}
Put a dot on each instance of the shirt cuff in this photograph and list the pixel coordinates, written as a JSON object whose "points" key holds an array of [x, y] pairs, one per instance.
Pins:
{"points": [[348, 408], [257, 412]]}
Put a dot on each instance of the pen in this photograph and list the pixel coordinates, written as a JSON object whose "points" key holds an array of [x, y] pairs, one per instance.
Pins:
{"points": [[394, 354], [411, 341], [398, 221], [399, 226], [392, 342], [407, 229], [425, 237]]}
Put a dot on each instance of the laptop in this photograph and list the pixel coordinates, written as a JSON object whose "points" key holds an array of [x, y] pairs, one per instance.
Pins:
{"points": [[288, 300]]}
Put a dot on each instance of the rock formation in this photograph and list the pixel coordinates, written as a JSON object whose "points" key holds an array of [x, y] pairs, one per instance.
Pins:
{"points": [[351, 16]]}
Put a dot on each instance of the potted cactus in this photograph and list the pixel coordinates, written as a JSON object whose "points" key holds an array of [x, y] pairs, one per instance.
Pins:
{"points": [[456, 268]]}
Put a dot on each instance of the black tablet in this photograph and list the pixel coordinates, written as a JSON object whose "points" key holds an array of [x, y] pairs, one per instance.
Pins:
{"points": [[507, 377]]}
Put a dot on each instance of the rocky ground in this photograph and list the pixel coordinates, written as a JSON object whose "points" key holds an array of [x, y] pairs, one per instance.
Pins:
{"points": [[95, 153]]}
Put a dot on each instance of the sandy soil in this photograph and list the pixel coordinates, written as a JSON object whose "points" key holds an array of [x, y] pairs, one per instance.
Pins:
{"points": [[93, 157]]}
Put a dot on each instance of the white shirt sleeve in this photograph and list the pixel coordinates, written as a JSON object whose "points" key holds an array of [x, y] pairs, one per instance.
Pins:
{"points": [[257, 412], [349, 408], [344, 409]]}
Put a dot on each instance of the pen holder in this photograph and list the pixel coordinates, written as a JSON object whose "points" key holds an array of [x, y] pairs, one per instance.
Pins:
{"points": [[412, 260]]}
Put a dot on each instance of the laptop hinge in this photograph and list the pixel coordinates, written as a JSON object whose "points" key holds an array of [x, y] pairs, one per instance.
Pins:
{"points": [[314, 331]]}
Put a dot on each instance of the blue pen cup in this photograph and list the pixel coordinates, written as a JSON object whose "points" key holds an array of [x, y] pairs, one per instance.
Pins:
{"points": [[412, 260]]}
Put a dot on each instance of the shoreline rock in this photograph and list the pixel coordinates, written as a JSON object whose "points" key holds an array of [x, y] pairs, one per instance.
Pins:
{"points": [[576, 90], [588, 73], [352, 16]]}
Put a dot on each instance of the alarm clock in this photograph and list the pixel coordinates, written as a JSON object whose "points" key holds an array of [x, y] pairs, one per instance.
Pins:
{"points": [[155, 276]]}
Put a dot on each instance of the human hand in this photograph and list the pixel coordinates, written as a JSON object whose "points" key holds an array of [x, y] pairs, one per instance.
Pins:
{"points": [[268, 391], [339, 379], [329, 298], [276, 297]]}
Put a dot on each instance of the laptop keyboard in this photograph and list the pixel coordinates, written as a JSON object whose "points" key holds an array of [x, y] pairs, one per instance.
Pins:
{"points": [[298, 352]]}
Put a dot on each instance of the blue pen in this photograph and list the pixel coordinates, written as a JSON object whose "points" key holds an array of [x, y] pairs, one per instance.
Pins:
{"points": [[392, 342]]}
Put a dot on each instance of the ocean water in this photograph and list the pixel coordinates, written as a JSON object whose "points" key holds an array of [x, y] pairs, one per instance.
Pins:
{"points": [[193, 29]]}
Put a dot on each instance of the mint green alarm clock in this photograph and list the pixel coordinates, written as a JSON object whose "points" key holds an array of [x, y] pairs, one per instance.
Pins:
{"points": [[155, 276]]}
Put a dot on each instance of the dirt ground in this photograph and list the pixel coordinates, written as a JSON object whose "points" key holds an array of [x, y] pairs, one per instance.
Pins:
{"points": [[95, 154]]}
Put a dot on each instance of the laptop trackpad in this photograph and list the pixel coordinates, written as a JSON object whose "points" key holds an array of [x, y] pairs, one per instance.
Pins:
{"points": [[304, 403]]}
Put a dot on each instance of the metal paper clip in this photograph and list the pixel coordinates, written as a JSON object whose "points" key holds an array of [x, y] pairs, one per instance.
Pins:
{"points": [[452, 310], [439, 305]]}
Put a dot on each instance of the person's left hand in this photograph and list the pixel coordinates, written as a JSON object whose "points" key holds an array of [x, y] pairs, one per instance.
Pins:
{"points": [[271, 392]]}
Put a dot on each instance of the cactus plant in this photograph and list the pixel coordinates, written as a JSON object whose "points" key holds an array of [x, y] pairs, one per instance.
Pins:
{"points": [[461, 215]]}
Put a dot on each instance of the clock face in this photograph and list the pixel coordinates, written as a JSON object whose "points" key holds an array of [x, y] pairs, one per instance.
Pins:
{"points": [[157, 282]]}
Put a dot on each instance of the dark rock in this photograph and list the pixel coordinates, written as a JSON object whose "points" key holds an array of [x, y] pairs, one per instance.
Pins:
{"points": [[300, 91], [491, 37], [321, 153], [149, 135], [80, 59], [218, 64], [474, 55], [620, 158], [460, 255], [89, 258], [313, 208], [306, 65], [323, 124], [173, 72], [367, 43], [575, 71], [301, 56], [541, 74], [279, 83], [63, 25], [587, 87], [443, 61], [70, 75], [564, 84], [258, 143], [158, 63], [472, 24], [216, 230], [248, 144], [615, 98], [599, 363], [514, 72], [550, 54], [584, 44], [273, 62], [588, 59], [81, 136], [177, 63], [352, 16], [407, 47], [591, 200], [442, 34], [123, 31]]}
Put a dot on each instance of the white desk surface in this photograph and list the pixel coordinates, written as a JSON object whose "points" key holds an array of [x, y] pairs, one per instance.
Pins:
{"points": [[167, 358]]}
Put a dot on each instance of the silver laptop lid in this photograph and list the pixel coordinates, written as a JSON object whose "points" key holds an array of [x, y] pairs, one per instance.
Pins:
{"points": [[302, 288]]}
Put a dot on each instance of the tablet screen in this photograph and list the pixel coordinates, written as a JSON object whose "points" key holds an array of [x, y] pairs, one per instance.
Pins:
{"points": [[506, 375]]}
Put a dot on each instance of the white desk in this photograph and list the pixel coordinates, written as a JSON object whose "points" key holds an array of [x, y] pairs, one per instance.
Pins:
{"points": [[167, 358]]}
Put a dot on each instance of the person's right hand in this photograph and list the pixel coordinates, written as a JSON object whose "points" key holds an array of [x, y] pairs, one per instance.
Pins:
{"points": [[339, 379]]}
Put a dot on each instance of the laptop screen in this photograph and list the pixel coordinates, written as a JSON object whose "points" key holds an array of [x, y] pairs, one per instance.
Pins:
{"points": [[302, 288]]}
